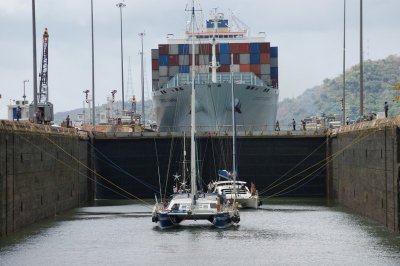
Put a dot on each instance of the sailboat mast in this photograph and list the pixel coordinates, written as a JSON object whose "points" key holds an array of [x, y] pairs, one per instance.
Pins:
{"points": [[233, 132], [193, 118]]}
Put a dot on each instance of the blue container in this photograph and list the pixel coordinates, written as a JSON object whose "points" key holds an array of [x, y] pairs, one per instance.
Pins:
{"points": [[274, 72], [225, 59], [163, 60], [224, 48], [274, 52], [254, 59], [183, 69], [254, 48], [183, 48]]}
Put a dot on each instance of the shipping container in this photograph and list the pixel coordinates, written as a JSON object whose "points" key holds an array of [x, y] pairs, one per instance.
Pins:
{"points": [[154, 53], [225, 59], [184, 69], [274, 72], [154, 64], [234, 47], [245, 68], [274, 51], [274, 62], [264, 48], [155, 74], [204, 59], [254, 59], [224, 48], [205, 48], [183, 49], [184, 59], [235, 68], [224, 68], [173, 49], [236, 59], [254, 48], [163, 71], [244, 48], [264, 58], [163, 60], [255, 69], [173, 60], [163, 49], [265, 69], [196, 49], [196, 62], [173, 70], [244, 59]]}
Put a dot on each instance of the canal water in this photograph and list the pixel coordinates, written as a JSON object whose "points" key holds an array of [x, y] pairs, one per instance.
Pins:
{"points": [[283, 232]]}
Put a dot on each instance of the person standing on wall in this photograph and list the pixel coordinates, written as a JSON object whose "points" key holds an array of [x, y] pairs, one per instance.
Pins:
{"points": [[386, 109], [294, 124]]}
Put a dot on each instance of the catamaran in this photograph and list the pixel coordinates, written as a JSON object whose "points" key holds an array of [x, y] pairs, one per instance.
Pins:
{"points": [[195, 205]]}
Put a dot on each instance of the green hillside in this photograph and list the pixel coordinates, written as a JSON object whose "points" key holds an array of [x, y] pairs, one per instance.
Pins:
{"points": [[380, 77]]}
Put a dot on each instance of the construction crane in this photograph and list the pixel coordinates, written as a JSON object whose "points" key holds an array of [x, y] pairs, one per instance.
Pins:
{"points": [[44, 110]]}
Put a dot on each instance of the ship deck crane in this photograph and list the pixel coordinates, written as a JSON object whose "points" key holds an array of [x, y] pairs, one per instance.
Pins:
{"points": [[44, 111]]}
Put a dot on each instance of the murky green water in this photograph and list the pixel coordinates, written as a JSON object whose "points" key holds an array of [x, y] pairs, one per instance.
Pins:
{"points": [[284, 232]]}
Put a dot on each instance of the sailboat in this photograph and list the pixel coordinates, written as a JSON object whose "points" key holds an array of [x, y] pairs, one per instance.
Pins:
{"points": [[195, 205], [231, 188]]}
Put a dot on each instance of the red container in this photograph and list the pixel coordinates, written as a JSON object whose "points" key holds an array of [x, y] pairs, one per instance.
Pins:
{"points": [[265, 59], [163, 49], [205, 48], [154, 64], [245, 68], [235, 48], [236, 59], [244, 48], [196, 62], [255, 69], [264, 47], [224, 68], [173, 60]]}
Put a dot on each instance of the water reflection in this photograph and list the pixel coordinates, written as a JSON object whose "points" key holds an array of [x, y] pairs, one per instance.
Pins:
{"points": [[284, 231]]}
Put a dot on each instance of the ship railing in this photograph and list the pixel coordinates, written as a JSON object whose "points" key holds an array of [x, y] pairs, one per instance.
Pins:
{"points": [[248, 78]]}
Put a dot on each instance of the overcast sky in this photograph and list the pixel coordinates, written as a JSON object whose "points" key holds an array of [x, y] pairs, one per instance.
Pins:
{"points": [[309, 34]]}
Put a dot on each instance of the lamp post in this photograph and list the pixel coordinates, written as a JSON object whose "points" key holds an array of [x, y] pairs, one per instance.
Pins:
{"points": [[142, 34], [120, 6], [24, 96], [344, 63], [34, 61], [94, 109], [361, 63]]}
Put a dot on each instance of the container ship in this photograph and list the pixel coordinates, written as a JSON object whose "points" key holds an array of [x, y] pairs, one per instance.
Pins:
{"points": [[223, 54]]}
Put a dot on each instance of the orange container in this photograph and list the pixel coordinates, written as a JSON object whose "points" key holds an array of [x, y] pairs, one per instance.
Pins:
{"points": [[255, 69], [244, 48], [154, 64], [265, 59], [245, 68]]}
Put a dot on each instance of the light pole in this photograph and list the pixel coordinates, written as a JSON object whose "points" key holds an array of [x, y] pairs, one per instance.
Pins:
{"points": [[142, 34], [94, 109], [34, 61], [344, 64], [361, 64], [120, 6], [24, 96]]}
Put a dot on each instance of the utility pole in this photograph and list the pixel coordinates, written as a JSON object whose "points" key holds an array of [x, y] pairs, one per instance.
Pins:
{"points": [[361, 63], [142, 34], [344, 63], [120, 6], [93, 100], [34, 61]]}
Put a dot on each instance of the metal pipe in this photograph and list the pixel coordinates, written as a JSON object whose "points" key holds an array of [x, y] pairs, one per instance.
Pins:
{"points": [[121, 5], [344, 63]]}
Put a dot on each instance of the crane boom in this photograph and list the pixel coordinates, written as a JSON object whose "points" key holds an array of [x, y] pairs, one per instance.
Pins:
{"points": [[43, 96]]}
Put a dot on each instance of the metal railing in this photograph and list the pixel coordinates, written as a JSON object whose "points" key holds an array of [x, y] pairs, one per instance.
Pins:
{"points": [[247, 78]]}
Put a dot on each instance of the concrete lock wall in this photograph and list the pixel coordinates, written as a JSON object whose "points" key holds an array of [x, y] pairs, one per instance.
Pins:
{"points": [[364, 174], [37, 178]]}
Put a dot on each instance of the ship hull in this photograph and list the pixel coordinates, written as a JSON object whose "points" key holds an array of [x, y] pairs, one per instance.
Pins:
{"points": [[256, 107]]}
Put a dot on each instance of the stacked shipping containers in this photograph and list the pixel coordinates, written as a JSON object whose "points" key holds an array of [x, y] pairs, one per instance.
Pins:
{"points": [[259, 58]]}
